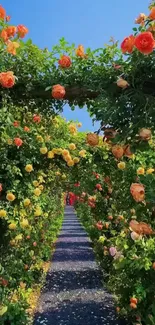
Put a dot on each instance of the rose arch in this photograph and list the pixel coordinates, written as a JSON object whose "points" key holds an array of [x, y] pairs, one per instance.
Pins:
{"points": [[111, 176]]}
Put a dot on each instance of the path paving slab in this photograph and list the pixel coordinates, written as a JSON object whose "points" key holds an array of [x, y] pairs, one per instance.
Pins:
{"points": [[73, 293]]}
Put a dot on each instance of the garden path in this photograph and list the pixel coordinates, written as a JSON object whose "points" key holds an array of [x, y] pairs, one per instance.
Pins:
{"points": [[74, 293]]}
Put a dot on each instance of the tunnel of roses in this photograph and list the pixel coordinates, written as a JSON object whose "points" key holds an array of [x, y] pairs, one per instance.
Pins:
{"points": [[110, 173]]}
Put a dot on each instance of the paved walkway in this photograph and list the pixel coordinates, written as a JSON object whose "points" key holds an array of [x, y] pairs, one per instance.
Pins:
{"points": [[73, 294]]}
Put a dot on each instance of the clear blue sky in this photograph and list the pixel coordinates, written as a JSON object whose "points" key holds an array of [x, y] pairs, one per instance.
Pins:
{"points": [[86, 22]]}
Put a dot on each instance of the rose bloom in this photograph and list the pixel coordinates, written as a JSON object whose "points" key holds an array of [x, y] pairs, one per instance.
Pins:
{"points": [[1, 187], [7, 79], [2, 13], [4, 35], [122, 83], [65, 61], [11, 31], [36, 118], [128, 44], [58, 92], [26, 129], [140, 171], [152, 13], [16, 123], [135, 236], [22, 31], [12, 47], [80, 51], [140, 19], [137, 191], [99, 225], [145, 43], [112, 251], [18, 142], [145, 134], [117, 151]]}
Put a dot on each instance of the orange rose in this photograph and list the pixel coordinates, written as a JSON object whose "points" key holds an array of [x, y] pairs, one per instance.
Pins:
{"points": [[140, 19], [7, 79], [145, 134], [11, 31], [80, 51], [128, 44], [4, 35], [152, 13], [18, 142], [58, 92], [122, 83], [16, 124], [145, 43], [117, 151], [65, 61], [22, 31], [2, 13], [12, 47], [26, 129], [137, 191]]}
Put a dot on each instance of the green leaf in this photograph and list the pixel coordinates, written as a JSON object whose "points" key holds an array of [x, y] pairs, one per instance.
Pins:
{"points": [[3, 310]]}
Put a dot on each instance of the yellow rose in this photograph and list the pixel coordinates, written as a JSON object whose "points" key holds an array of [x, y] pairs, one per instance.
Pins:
{"points": [[35, 183], [72, 129], [70, 163], [43, 150], [38, 212], [3, 213], [82, 153], [50, 154], [37, 191], [29, 168], [27, 202], [41, 180], [150, 171], [59, 151], [72, 146], [63, 176], [39, 138], [24, 223], [57, 173], [121, 165], [79, 125], [41, 187], [10, 196], [19, 237], [10, 142], [140, 171], [76, 160], [12, 242], [12, 226]]}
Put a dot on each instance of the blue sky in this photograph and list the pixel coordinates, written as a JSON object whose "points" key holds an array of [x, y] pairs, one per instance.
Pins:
{"points": [[86, 22]]}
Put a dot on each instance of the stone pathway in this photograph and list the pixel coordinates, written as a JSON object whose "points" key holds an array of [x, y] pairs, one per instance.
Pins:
{"points": [[73, 293]]}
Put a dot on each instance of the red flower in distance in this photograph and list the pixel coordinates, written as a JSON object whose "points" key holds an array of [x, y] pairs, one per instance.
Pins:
{"points": [[18, 142], [16, 124], [36, 118]]}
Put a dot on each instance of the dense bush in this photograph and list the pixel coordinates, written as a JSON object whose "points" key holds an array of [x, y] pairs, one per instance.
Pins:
{"points": [[42, 156]]}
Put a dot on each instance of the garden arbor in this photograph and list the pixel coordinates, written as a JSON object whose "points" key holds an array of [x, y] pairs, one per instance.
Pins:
{"points": [[41, 154]]}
